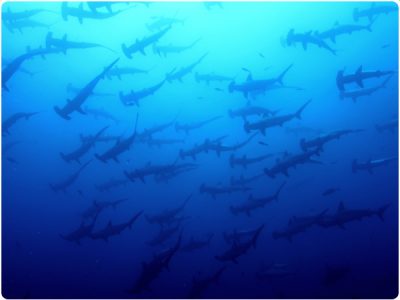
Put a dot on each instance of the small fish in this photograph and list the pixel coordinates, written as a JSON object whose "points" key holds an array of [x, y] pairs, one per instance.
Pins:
{"points": [[330, 191], [385, 46], [262, 143], [219, 89], [12, 160], [261, 55]]}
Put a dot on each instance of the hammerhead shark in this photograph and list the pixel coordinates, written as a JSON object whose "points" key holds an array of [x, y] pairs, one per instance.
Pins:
{"points": [[151, 270], [320, 141], [140, 45], [183, 71], [114, 229], [166, 216], [291, 161], [9, 122], [263, 124], [371, 164], [83, 231], [83, 149], [244, 161], [199, 286], [195, 125], [9, 70], [307, 38], [373, 11], [256, 85], [255, 203], [80, 13], [358, 77], [63, 185], [239, 249], [121, 146], [76, 103], [165, 50], [134, 96], [63, 44]]}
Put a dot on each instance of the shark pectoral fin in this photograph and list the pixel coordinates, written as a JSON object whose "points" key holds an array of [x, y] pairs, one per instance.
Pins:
{"points": [[360, 83], [285, 172], [142, 179], [142, 51], [304, 46], [79, 109], [116, 159], [80, 20]]}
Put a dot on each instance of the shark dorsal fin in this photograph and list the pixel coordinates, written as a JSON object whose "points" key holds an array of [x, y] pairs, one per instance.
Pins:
{"points": [[359, 70], [341, 207], [336, 23], [249, 77], [65, 37]]}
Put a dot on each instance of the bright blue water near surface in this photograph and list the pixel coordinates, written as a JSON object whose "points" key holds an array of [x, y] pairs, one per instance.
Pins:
{"points": [[311, 246]]}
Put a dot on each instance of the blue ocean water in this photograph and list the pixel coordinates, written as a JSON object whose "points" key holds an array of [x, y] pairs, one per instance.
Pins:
{"points": [[332, 232]]}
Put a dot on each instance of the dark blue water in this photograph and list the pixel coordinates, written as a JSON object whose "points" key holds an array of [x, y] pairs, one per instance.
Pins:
{"points": [[356, 257]]}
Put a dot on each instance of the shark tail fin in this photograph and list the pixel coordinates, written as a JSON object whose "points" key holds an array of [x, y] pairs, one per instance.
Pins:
{"points": [[100, 158], [125, 50], [303, 144], [355, 14], [256, 235], [280, 78], [64, 10], [276, 196], [383, 85], [49, 38], [53, 187], [381, 211], [63, 156], [231, 86], [298, 113], [339, 80]]}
